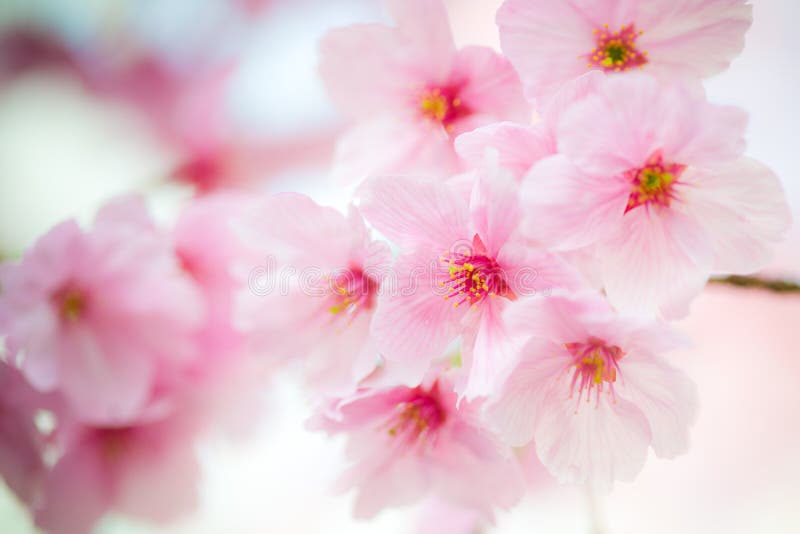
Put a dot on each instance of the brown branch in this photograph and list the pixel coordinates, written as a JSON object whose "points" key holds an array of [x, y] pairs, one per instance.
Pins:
{"points": [[754, 282]]}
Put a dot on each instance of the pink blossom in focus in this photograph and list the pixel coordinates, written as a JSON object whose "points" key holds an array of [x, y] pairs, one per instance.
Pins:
{"points": [[653, 181], [410, 92], [592, 391], [101, 315], [550, 43], [406, 443], [313, 292], [462, 262]]}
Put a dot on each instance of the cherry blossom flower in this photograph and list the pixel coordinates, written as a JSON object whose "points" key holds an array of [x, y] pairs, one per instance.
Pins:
{"points": [[22, 446], [405, 443], [146, 470], [652, 179], [224, 381], [550, 43], [101, 315], [592, 391], [411, 92], [461, 263], [315, 296]]}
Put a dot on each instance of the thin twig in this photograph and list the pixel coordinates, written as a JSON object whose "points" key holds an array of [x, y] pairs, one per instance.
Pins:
{"points": [[754, 282], [594, 511]]}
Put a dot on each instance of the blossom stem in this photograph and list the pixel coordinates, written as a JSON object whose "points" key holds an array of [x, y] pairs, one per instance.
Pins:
{"points": [[595, 515], [754, 282]]}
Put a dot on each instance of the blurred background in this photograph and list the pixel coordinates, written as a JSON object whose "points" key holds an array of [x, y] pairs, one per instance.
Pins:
{"points": [[164, 97]]}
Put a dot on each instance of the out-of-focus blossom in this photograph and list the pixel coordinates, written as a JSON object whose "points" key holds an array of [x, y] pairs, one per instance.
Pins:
{"points": [[411, 92], [21, 444], [223, 381], [654, 179], [209, 252], [461, 263], [185, 105], [551, 43], [439, 515], [314, 293], [591, 391], [406, 443], [24, 48], [105, 316], [146, 470]]}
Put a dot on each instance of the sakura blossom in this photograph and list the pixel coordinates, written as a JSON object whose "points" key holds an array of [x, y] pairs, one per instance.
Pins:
{"points": [[462, 262], [410, 91], [592, 391], [22, 446], [331, 298], [146, 470], [101, 315], [408, 443], [551, 43], [658, 192], [223, 382]]}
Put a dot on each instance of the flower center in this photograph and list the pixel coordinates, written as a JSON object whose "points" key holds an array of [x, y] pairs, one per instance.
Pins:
{"points": [[70, 303], [351, 290], [114, 442], [474, 276], [653, 183], [418, 419], [442, 106], [616, 51], [595, 367]]}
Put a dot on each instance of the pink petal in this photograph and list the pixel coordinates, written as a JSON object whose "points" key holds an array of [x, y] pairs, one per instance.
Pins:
{"points": [[666, 396], [391, 143], [413, 324], [106, 380], [571, 92], [631, 117], [415, 212], [295, 230], [478, 481], [518, 146], [425, 24], [398, 482], [494, 207], [346, 357], [492, 89], [159, 478], [488, 352], [363, 69], [596, 443], [744, 210], [660, 258], [555, 317], [511, 412], [66, 510], [569, 209], [675, 32]]}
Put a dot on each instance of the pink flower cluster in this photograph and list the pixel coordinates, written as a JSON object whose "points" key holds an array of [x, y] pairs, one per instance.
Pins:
{"points": [[517, 315], [120, 350]]}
